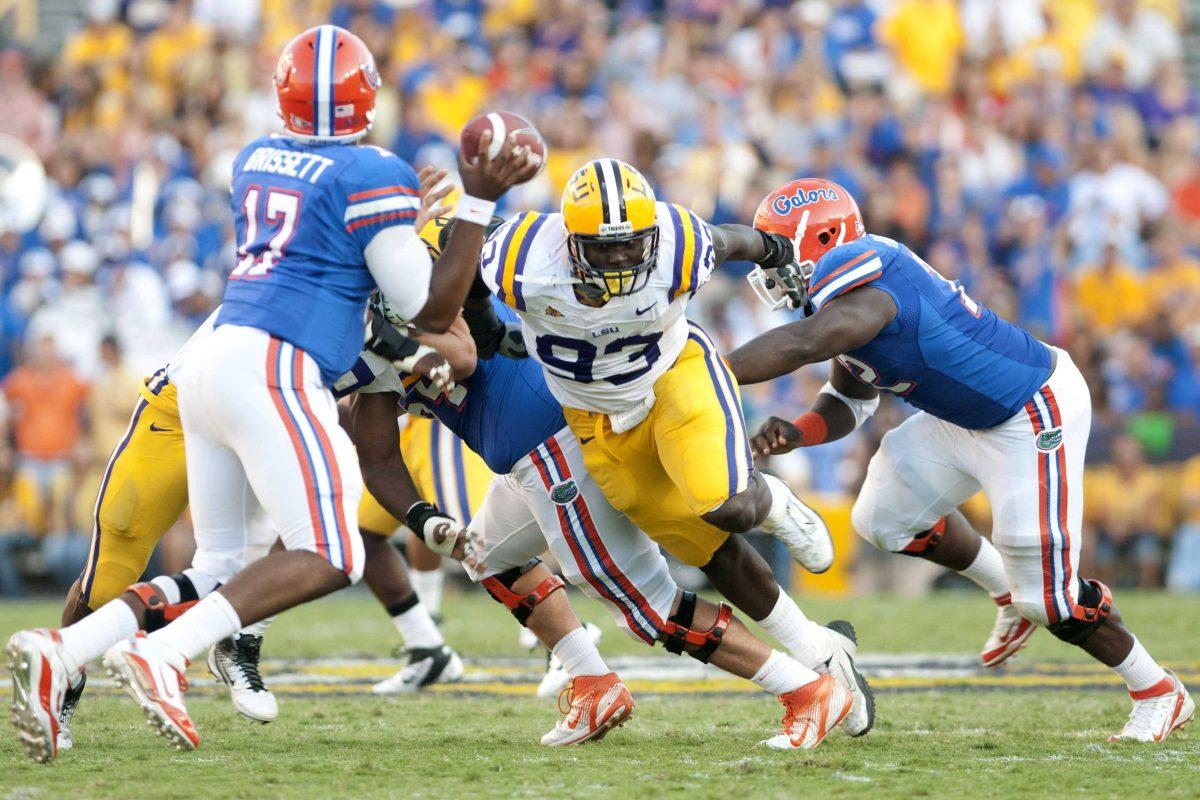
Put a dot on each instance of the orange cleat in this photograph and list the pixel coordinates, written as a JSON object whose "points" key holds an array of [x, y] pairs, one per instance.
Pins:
{"points": [[40, 682], [1009, 634], [153, 676], [595, 705], [811, 712]]}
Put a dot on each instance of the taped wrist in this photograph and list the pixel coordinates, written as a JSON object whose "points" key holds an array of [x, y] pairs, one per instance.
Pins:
{"points": [[521, 605], [419, 517], [860, 408], [779, 251], [388, 341], [813, 429]]}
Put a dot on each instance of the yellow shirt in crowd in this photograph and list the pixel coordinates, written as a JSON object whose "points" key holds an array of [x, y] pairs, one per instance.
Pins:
{"points": [[1111, 299], [925, 36]]}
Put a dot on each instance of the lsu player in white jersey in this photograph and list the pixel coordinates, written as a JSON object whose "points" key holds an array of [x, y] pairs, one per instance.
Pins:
{"points": [[601, 289]]}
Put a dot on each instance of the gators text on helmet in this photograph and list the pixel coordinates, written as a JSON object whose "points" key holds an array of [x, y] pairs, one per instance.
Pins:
{"points": [[817, 215]]}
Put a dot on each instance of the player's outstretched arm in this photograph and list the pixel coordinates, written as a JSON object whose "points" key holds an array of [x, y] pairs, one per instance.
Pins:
{"points": [[485, 180], [733, 242], [841, 406], [843, 324]]}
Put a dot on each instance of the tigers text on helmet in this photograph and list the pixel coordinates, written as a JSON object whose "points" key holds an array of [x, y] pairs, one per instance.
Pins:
{"points": [[608, 209], [817, 215], [326, 82]]}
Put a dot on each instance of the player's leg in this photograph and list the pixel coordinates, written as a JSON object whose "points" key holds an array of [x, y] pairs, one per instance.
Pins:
{"points": [[143, 491], [603, 552], [235, 661], [700, 436], [506, 540], [419, 443], [429, 658], [908, 505], [261, 400], [1036, 464]]}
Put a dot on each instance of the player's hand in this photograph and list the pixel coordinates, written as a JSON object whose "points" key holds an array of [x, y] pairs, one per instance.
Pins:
{"points": [[432, 196], [489, 178], [775, 436], [436, 369], [442, 533]]}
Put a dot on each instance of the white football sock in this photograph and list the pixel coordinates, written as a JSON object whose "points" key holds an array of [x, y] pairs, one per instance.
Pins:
{"points": [[987, 570], [1139, 670], [87, 639], [428, 586], [780, 674], [579, 655], [200, 627], [798, 634], [417, 628], [257, 629]]}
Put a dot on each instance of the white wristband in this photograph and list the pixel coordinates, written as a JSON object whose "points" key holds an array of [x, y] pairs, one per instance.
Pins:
{"points": [[472, 209], [861, 409]]}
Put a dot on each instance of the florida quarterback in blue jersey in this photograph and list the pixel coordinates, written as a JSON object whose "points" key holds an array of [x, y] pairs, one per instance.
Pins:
{"points": [[321, 221], [999, 411]]}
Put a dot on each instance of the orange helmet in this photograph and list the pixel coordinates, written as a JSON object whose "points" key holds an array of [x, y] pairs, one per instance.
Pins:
{"points": [[326, 82]]}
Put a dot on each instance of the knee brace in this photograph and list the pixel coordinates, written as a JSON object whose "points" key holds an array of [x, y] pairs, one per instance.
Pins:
{"points": [[926, 542], [521, 605], [165, 599], [1094, 606], [677, 634]]}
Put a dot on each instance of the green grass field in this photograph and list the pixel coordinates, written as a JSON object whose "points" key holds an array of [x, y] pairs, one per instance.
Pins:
{"points": [[935, 742]]}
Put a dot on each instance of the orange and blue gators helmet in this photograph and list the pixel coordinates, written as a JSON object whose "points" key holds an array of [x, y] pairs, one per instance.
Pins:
{"points": [[326, 83], [609, 211], [816, 215]]}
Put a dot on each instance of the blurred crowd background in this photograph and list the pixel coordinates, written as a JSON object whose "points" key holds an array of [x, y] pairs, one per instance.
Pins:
{"points": [[1042, 152]]}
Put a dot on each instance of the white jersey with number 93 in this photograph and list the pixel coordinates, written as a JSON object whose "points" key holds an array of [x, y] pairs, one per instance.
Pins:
{"points": [[602, 359]]}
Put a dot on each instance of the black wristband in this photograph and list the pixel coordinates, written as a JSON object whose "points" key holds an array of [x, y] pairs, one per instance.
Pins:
{"points": [[779, 251], [387, 341], [418, 514]]}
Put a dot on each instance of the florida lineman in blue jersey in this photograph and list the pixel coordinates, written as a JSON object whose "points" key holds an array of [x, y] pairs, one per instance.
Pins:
{"points": [[321, 222], [999, 411], [544, 497]]}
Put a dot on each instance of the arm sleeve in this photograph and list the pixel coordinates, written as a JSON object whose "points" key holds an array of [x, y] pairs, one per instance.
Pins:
{"points": [[497, 254], [400, 264], [692, 256], [379, 191]]}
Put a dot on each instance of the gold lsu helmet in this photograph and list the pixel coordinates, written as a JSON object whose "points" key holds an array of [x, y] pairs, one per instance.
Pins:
{"points": [[612, 237]]}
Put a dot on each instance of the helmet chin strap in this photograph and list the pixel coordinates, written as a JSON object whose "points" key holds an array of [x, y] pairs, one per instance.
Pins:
{"points": [[841, 235], [800, 229]]}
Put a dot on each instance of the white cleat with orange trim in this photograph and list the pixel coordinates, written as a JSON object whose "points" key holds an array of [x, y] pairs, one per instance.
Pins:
{"points": [[39, 683], [1009, 634], [1157, 711], [153, 676], [595, 705], [811, 712]]}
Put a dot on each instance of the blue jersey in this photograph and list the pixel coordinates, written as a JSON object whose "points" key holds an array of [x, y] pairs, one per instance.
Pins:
{"points": [[303, 214], [943, 353], [502, 412]]}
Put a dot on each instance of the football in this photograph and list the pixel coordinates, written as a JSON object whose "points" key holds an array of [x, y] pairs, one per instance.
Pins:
{"points": [[502, 124]]}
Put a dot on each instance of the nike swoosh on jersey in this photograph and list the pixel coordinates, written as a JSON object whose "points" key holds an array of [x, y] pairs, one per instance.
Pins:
{"points": [[640, 311]]}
